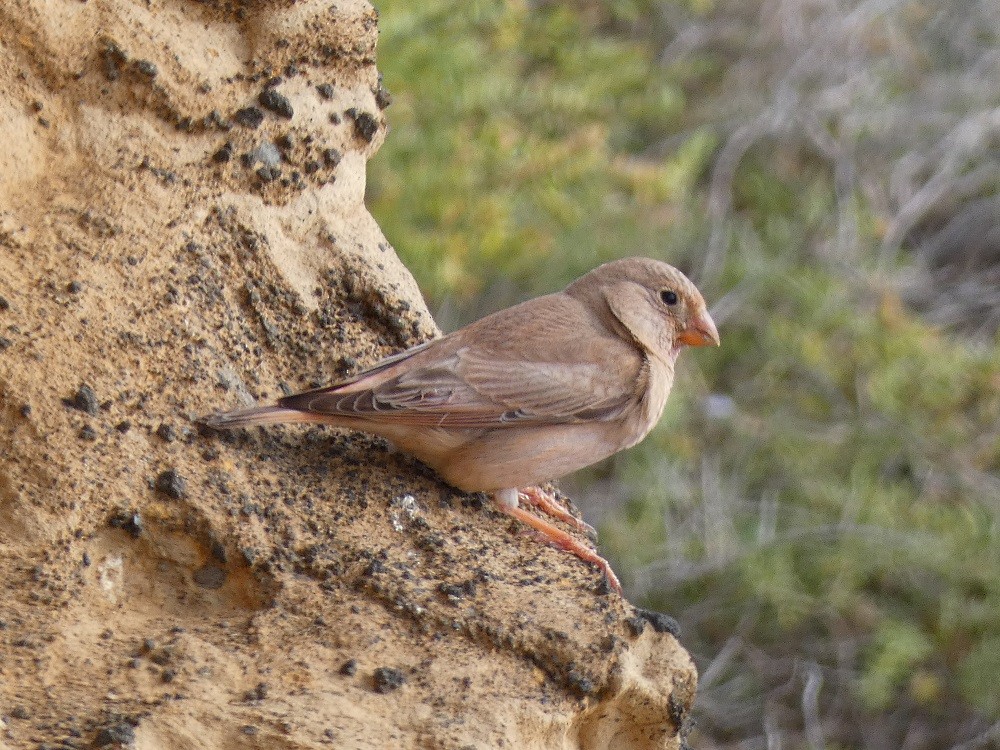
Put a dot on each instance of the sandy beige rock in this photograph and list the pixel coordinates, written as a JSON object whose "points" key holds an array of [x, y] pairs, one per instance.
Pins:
{"points": [[283, 588]]}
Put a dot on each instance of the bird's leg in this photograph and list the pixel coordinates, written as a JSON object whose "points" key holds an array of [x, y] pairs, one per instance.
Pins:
{"points": [[546, 503], [507, 502]]}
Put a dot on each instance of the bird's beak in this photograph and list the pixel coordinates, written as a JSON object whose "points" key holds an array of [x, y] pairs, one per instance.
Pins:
{"points": [[700, 331]]}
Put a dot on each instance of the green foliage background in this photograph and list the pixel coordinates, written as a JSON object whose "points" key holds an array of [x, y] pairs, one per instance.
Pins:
{"points": [[820, 501]]}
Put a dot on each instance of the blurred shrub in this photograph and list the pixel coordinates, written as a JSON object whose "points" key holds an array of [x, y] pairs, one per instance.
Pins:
{"points": [[511, 155]]}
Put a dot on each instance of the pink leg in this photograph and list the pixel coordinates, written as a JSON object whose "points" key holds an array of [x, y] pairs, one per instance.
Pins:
{"points": [[546, 503], [563, 541]]}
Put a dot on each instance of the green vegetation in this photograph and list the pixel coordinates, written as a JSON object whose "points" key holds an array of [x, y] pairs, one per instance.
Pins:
{"points": [[509, 152], [822, 496]]}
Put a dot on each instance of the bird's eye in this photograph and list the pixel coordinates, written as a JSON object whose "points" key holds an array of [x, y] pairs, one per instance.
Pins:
{"points": [[669, 297]]}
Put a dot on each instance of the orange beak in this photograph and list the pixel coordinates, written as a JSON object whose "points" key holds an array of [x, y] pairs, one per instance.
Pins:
{"points": [[700, 331]]}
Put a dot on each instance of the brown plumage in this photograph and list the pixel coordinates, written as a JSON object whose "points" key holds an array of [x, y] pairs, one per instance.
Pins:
{"points": [[527, 394]]}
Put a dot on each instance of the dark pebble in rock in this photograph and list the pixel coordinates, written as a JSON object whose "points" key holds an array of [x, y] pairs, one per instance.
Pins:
{"points": [[5, 343], [259, 693], [171, 484], [636, 624], [85, 400], [20, 712], [277, 103], [387, 679], [365, 124], [218, 551], [332, 157], [661, 623], [325, 90], [268, 174], [74, 287], [123, 426], [224, 154], [127, 521], [166, 433], [146, 68], [210, 577], [123, 734], [161, 657], [26, 411], [88, 433], [374, 568], [604, 586], [476, 501], [452, 591], [579, 684], [382, 97], [4, 304], [249, 730], [250, 117], [168, 675], [349, 668]]}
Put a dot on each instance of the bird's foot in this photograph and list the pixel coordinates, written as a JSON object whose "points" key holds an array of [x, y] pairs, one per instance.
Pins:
{"points": [[546, 503], [564, 541]]}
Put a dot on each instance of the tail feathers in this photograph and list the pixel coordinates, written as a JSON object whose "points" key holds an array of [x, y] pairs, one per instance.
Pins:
{"points": [[256, 415]]}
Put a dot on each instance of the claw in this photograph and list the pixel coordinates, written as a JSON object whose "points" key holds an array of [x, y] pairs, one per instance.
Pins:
{"points": [[564, 541], [546, 503]]}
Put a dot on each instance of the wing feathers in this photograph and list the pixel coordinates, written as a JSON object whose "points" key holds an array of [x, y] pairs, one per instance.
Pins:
{"points": [[475, 383]]}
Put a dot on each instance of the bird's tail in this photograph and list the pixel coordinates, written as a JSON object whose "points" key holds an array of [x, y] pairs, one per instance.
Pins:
{"points": [[256, 415]]}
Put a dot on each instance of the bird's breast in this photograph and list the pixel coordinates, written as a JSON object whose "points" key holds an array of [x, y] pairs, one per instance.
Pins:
{"points": [[649, 409]]}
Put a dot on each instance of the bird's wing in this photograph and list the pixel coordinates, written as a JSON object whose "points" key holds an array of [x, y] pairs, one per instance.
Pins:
{"points": [[545, 391], [565, 371]]}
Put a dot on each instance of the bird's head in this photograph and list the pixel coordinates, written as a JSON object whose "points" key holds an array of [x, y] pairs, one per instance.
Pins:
{"points": [[655, 303]]}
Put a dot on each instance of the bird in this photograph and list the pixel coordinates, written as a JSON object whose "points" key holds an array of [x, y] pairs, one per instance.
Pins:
{"points": [[527, 394]]}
